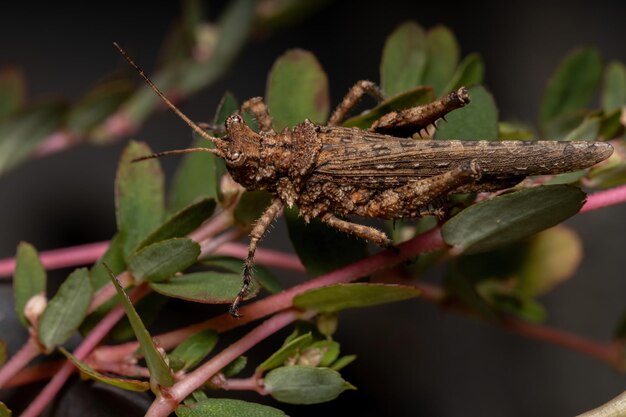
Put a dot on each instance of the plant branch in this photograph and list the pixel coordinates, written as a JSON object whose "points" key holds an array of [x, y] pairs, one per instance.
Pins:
{"points": [[169, 398], [29, 351], [87, 345], [428, 241], [606, 198]]}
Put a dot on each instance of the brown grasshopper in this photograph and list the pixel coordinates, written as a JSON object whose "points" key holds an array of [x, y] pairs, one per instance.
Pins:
{"points": [[332, 170]]}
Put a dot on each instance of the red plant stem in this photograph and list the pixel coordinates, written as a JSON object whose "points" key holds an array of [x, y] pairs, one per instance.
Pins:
{"points": [[87, 345], [428, 241], [29, 351], [609, 353], [34, 373], [169, 399], [61, 258], [605, 198], [266, 257], [243, 384]]}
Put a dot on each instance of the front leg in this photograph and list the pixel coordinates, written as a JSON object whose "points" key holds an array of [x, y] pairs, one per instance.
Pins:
{"points": [[256, 235], [258, 108], [354, 95]]}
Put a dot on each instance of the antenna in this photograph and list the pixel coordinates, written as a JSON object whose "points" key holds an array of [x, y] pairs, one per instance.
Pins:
{"points": [[171, 105], [174, 152]]}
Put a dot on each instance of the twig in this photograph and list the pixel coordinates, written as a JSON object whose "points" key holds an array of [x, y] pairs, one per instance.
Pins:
{"points": [[605, 198], [169, 398], [87, 345]]}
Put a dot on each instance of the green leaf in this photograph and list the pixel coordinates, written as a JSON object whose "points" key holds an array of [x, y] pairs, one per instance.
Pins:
{"points": [[139, 194], [251, 206], [404, 59], [476, 121], [559, 127], [553, 257], [3, 352], [195, 348], [443, 57], [114, 258], [159, 370], [204, 287], [263, 276], [162, 260], [200, 173], [614, 89], [321, 248], [297, 88], [123, 383], [573, 84], [21, 134], [148, 308], [235, 367], [222, 407], [287, 350], [510, 217], [343, 362], [12, 90], [97, 105], [471, 71], [304, 384], [611, 126], [29, 278], [411, 98], [4, 410], [587, 130], [182, 222], [66, 310], [343, 296]]}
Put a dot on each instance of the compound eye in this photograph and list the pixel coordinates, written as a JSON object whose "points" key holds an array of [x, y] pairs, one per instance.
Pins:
{"points": [[234, 119], [235, 158]]}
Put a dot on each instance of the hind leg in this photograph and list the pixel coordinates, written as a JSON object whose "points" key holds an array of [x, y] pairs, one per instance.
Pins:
{"points": [[354, 95]]}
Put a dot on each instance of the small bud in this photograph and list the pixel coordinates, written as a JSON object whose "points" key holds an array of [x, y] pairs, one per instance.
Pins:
{"points": [[206, 40], [34, 308], [327, 324], [311, 356]]}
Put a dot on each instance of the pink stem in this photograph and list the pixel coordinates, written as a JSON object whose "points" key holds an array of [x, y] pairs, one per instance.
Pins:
{"points": [[605, 198], [266, 257], [29, 351], [61, 258], [428, 241], [171, 397], [88, 344]]}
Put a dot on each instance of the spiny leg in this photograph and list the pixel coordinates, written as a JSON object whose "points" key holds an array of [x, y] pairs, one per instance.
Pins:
{"points": [[354, 95], [365, 232], [258, 108], [256, 234], [409, 121], [416, 198]]}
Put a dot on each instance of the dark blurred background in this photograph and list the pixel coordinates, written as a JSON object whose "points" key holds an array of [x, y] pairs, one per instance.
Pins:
{"points": [[413, 358]]}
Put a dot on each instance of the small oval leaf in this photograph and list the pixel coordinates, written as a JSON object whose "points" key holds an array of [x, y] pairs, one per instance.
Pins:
{"points": [[194, 348], [204, 287], [159, 370], [573, 84], [288, 349], [404, 59], [553, 256], [4, 410], [263, 276], [304, 384], [29, 278], [476, 121], [511, 217], [66, 310], [162, 260], [182, 222], [470, 72], [123, 383], [343, 296], [222, 407], [139, 194], [297, 88], [443, 57]]}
